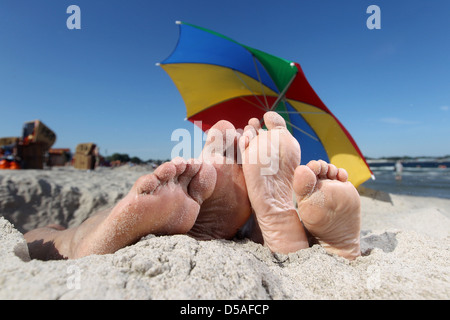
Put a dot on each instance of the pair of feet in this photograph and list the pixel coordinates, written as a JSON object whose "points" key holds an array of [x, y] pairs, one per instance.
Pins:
{"points": [[214, 196], [328, 210]]}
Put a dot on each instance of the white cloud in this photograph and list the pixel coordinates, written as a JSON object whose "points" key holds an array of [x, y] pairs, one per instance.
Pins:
{"points": [[445, 108], [398, 121]]}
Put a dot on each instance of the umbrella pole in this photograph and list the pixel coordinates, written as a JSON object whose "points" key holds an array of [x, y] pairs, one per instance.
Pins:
{"points": [[283, 93]]}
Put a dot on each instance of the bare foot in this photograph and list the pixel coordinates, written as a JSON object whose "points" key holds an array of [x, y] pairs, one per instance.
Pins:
{"points": [[228, 208], [329, 207], [269, 160], [165, 202]]}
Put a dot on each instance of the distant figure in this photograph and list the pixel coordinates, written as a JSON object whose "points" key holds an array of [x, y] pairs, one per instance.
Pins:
{"points": [[398, 170]]}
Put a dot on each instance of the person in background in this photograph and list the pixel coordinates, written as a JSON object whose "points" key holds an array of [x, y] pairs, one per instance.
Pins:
{"points": [[398, 170]]}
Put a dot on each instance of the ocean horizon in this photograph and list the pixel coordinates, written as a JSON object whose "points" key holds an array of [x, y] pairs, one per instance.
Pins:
{"points": [[418, 178]]}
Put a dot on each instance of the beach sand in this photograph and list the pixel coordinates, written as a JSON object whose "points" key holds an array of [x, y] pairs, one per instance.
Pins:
{"points": [[405, 244]]}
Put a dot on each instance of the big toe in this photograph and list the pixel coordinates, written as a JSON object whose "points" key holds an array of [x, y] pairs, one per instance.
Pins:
{"points": [[220, 138], [165, 172], [273, 120], [304, 182], [255, 124], [203, 182]]}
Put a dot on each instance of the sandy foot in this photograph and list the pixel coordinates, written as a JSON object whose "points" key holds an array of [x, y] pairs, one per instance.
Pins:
{"points": [[269, 161], [329, 207]]}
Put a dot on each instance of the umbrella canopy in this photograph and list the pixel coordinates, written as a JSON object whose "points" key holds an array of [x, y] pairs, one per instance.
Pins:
{"points": [[221, 79]]}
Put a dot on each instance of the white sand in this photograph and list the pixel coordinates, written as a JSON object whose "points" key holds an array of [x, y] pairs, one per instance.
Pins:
{"points": [[405, 241]]}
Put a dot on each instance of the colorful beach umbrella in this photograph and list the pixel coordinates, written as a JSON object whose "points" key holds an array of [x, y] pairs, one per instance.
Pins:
{"points": [[221, 79]]}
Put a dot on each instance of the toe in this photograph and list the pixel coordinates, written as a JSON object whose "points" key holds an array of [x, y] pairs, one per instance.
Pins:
{"points": [[192, 167], [323, 169], [221, 135], [315, 166], [220, 141], [203, 183], [250, 132], [146, 184], [332, 172], [274, 120], [180, 165], [304, 182], [255, 123], [166, 171], [342, 175]]}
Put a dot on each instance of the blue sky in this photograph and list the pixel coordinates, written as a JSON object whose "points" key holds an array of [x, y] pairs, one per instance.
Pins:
{"points": [[389, 87]]}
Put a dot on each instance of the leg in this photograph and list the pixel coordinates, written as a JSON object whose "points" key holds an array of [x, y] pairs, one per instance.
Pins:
{"points": [[41, 242], [329, 207], [165, 202], [269, 181]]}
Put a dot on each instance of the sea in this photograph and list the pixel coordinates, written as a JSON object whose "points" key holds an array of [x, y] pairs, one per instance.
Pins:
{"points": [[418, 178]]}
